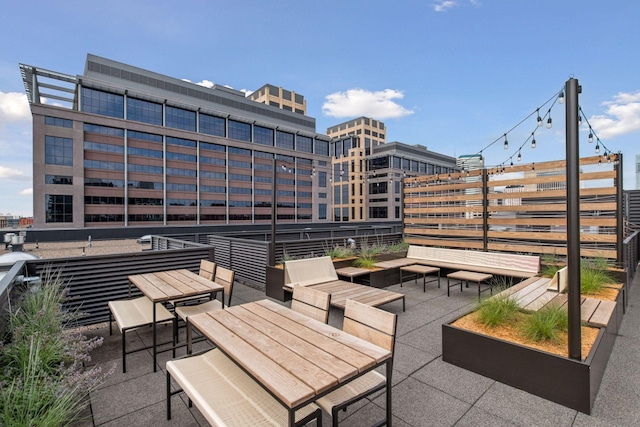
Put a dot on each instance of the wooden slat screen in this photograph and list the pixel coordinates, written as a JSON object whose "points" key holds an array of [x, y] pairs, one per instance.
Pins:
{"points": [[520, 208]]}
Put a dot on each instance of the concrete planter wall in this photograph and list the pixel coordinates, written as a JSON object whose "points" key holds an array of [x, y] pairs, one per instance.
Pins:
{"points": [[562, 380]]}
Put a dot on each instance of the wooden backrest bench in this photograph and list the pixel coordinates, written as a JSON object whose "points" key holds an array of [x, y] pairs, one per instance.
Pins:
{"points": [[497, 263]]}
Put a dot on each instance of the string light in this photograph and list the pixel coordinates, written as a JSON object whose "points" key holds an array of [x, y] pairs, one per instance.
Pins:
{"points": [[597, 148], [539, 119], [590, 139], [506, 143], [533, 141], [561, 98], [549, 123], [519, 158]]}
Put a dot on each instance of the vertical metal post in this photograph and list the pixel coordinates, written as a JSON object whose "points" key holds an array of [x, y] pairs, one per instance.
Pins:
{"points": [[274, 213], [620, 206], [485, 210], [573, 218]]}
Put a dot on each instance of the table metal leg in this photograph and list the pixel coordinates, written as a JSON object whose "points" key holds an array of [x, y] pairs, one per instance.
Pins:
{"points": [[389, 400], [154, 338], [189, 335]]}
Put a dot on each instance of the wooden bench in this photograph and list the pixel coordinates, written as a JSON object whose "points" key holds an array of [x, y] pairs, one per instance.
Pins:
{"points": [[537, 292], [320, 274], [418, 269], [469, 276], [228, 396], [496, 263]]}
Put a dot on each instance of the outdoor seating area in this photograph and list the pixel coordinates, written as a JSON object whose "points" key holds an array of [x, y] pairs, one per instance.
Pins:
{"points": [[423, 387]]}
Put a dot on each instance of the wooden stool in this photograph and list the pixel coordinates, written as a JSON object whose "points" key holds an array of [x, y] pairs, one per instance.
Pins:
{"points": [[420, 269], [469, 276]]}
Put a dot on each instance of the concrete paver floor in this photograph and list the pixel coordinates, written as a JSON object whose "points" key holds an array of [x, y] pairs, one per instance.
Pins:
{"points": [[426, 391]]}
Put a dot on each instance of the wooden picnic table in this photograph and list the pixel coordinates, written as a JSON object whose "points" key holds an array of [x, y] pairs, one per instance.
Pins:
{"points": [[162, 286], [294, 357]]}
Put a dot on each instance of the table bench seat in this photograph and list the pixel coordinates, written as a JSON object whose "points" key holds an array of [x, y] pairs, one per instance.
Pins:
{"points": [[228, 396]]}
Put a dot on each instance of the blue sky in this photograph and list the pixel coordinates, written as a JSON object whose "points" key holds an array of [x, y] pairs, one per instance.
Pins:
{"points": [[453, 75]]}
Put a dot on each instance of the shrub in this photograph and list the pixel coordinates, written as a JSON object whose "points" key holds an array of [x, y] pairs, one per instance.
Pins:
{"points": [[546, 324], [399, 246], [498, 310]]}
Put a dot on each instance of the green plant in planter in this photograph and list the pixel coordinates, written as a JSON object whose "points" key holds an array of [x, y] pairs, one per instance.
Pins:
{"points": [[339, 252], [550, 265], [365, 261], [545, 324], [43, 381], [498, 310], [593, 280], [398, 247]]}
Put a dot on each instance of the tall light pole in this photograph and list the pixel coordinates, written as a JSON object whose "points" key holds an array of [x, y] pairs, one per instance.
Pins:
{"points": [[274, 213], [572, 89]]}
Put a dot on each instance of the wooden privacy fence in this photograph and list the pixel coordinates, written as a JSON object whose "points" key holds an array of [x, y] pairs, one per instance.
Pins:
{"points": [[520, 208]]}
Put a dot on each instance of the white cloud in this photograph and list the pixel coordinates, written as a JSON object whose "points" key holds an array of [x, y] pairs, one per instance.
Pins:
{"points": [[26, 192], [14, 107], [206, 83], [443, 5], [247, 92], [621, 117], [359, 102], [13, 174]]}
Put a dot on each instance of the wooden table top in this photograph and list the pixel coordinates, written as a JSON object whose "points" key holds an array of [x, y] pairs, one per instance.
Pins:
{"points": [[166, 285], [470, 275], [292, 355], [352, 271], [419, 268]]}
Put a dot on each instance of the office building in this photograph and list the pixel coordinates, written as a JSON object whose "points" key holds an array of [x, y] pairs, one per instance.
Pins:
{"points": [[122, 146], [352, 142], [369, 187], [280, 98]]}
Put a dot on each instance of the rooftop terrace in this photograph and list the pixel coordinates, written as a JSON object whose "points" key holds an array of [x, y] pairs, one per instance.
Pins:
{"points": [[426, 392]]}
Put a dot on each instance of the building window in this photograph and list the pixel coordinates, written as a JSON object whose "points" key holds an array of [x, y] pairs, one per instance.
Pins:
{"points": [[144, 111], [304, 144], [58, 151], [181, 141], [240, 131], [58, 179], [322, 211], [212, 125], [377, 212], [284, 140], [322, 147], [104, 130], [181, 119], [59, 208], [56, 121], [263, 135], [103, 103], [322, 179]]}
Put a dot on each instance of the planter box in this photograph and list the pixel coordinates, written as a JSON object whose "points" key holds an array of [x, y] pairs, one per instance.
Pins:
{"points": [[569, 382], [275, 283]]}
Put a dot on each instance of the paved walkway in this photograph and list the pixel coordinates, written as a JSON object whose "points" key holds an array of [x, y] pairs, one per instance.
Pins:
{"points": [[426, 392]]}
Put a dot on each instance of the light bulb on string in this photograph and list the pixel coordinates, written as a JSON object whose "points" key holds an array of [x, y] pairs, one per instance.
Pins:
{"points": [[561, 98], [533, 166], [579, 120], [590, 138], [539, 119], [511, 163], [549, 123], [533, 143], [506, 143], [519, 158], [597, 148]]}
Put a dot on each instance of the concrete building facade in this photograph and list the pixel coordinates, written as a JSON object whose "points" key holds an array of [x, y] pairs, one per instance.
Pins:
{"points": [[127, 146]]}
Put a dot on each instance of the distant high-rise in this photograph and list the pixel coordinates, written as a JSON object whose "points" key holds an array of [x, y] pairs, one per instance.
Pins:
{"points": [[280, 98], [637, 171], [353, 141]]}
